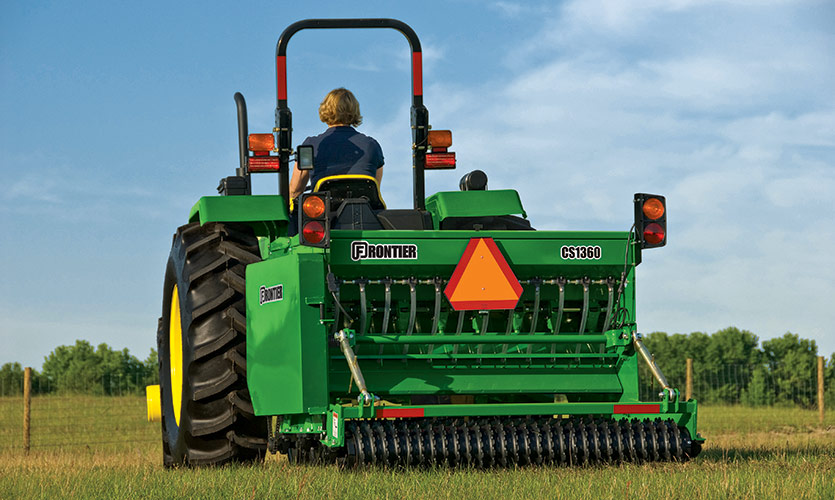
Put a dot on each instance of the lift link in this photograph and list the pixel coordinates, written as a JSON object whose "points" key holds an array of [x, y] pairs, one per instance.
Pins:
{"points": [[667, 391], [365, 398]]}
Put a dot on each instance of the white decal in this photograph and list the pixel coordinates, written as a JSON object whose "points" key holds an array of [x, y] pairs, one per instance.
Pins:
{"points": [[335, 426], [363, 250], [581, 252], [271, 294]]}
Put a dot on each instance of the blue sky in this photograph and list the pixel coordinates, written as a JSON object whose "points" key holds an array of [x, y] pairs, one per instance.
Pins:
{"points": [[118, 116]]}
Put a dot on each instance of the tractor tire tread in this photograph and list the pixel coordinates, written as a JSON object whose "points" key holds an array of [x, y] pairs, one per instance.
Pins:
{"points": [[215, 303], [235, 281], [218, 424], [241, 254]]}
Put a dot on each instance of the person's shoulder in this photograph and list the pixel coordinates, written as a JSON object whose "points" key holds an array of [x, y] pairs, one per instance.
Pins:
{"points": [[368, 139], [315, 138]]}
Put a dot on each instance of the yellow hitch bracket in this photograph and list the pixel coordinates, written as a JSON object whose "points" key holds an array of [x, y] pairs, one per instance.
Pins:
{"points": [[154, 403]]}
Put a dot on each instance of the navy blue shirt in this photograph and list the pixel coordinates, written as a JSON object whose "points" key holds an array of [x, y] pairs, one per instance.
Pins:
{"points": [[342, 150]]}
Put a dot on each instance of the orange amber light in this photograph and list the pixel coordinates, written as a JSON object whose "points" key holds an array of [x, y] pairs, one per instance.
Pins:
{"points": [[313, 207], [261, 142], [653, 208], [440, 138]]}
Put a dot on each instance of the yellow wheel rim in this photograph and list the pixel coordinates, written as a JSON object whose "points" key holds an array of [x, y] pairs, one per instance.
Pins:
{"points": [[175, 354]]}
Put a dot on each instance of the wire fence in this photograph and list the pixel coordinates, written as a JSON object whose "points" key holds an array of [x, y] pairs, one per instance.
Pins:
{"points": [[744, 385], [111, 412], [112, 415]]}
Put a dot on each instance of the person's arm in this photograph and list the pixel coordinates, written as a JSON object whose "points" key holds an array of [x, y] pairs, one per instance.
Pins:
{"points": [[298, 182], [380, 160]]}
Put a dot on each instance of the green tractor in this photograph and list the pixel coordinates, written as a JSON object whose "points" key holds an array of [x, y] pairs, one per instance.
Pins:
{"points": [[450, 333]]}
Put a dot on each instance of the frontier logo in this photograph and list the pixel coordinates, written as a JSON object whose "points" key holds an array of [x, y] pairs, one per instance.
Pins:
{"points": [[363, 250], [271, 294]]}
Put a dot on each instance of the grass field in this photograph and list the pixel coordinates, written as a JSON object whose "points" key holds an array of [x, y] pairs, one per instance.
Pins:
{"points": [[750, 453]]}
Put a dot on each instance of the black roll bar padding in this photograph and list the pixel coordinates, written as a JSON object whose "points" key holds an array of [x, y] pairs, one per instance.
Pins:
{"points": [[284, 127], [419, 113], [243, 135], [420, 139]]}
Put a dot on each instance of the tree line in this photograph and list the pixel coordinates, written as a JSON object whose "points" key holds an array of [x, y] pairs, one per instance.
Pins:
{"points": [[83, 369], [730, 366]]}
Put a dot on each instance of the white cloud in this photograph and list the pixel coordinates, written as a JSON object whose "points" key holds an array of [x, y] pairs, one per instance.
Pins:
{"points": [[519, 9], [510, 9], [740, 139], [622, 15], [814, 128], [64, 194]]}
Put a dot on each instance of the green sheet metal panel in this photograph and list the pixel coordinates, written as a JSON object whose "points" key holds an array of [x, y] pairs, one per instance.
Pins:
{"points": [[239, 209], [287, 368], [397, 378], [529, 253], [474, 204]]}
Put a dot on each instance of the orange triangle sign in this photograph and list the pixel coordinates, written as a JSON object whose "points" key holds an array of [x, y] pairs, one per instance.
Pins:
{"points": [[483, 280]]}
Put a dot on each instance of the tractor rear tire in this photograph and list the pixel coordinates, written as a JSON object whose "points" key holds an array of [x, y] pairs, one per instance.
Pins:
{"points": [[207, 414]]}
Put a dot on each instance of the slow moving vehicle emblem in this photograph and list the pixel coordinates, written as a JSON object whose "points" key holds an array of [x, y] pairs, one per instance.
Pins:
{"points": [[483, 280]]}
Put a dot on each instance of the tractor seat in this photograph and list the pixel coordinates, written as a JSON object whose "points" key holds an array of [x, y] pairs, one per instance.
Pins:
{"points": [[352, 186]]}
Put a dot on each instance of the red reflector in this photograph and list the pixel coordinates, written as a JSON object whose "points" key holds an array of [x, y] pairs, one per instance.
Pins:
{"points": [[440, 161], [654, 233], [281, 76], [263, 164], [417, 73], [399, 412], [313, 232], [623, 409]]}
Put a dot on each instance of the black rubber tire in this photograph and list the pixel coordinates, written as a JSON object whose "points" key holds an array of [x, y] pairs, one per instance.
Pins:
{"points": [[217, 422]]}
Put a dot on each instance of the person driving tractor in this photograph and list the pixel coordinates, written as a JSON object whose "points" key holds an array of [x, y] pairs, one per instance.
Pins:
{"points": [[340, 149]]}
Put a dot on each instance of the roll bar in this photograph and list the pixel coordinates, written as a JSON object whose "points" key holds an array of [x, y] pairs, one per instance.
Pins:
{"points": [[419, 113]]}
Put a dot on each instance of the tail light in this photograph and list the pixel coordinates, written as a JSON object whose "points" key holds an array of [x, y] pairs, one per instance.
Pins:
{"points": [[651, 220], [440, 161], [439, 158], [263, 164], [313, 219], [313, 232], [261, 146]]}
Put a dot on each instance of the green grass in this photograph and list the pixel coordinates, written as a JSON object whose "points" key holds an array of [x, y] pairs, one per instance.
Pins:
{"points": [[750, 453]]}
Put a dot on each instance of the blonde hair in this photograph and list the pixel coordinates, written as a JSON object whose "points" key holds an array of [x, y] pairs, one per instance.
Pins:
{"points": [[340, 107]]}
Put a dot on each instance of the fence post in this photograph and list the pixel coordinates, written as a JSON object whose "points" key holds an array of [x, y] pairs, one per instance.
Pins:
{"points": [[688, 391], [27, 406], [820, 389]]}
